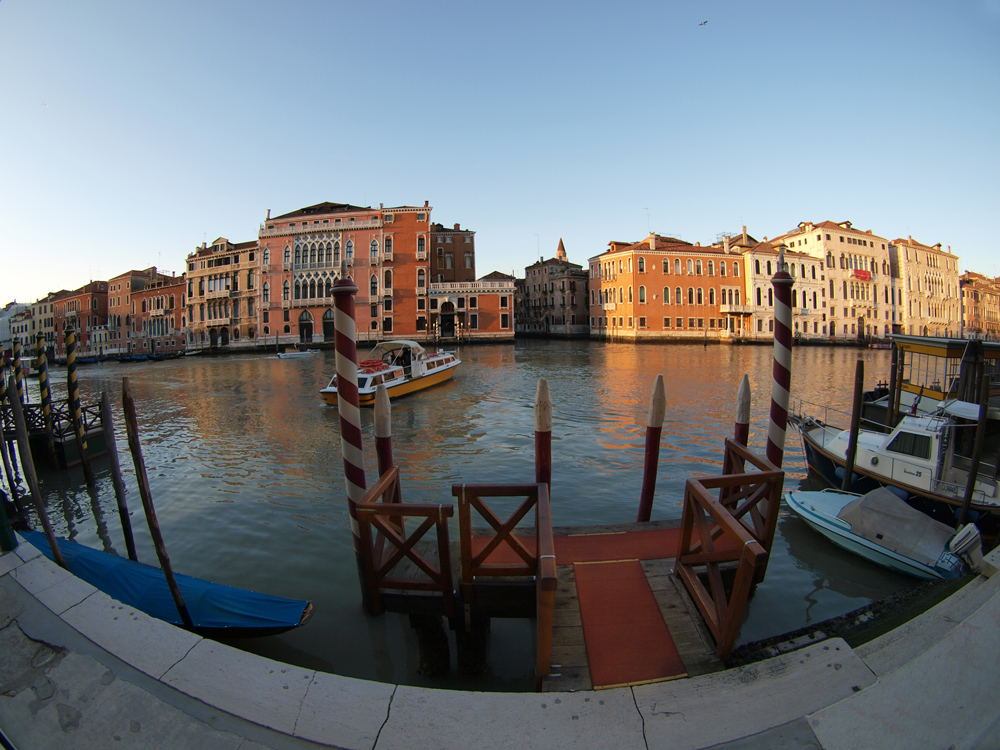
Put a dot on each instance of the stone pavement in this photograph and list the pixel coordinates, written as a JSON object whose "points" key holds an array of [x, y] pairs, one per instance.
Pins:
{"points": [[80, 670]]}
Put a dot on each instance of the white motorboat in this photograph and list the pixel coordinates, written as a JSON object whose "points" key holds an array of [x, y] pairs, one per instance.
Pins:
{"points": [[402, 366], [884, 529], [296, 353]]}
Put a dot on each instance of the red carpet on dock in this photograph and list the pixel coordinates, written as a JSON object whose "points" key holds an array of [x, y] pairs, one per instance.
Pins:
{"points": [[627, 639]]}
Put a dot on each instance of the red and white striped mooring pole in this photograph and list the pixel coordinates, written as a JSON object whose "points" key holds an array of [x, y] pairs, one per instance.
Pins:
{"points": [[782, 371], [345, 343]]}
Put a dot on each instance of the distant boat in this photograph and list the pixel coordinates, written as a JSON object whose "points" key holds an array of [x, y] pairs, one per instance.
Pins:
{"points": [[402, 367], [216, 610], [295, 353], [885, 530]]}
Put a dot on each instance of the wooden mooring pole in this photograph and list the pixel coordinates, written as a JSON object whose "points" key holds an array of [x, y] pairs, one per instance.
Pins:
{"points": [[651, 460], [28, 466], [18, 372], [45, 395], [543, 433], [852, 444], [132, 428], [15, 493], [75, 410], [782, 368], [977, 447], [116, 474], [349, 410]]}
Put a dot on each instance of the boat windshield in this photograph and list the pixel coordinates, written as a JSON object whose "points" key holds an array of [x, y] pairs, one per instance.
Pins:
{"points": [[911, 444]]}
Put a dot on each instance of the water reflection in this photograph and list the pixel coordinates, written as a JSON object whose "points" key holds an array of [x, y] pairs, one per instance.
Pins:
{"points": [[245, 470]]}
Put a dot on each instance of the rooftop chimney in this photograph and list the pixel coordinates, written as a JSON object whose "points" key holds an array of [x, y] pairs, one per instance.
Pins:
{"points": [[725, 243], [457, 227], [652, 241], [268, 215], [744, 234]]}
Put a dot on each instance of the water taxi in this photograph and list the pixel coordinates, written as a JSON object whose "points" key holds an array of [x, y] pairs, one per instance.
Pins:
{"points": [[402, 367]]}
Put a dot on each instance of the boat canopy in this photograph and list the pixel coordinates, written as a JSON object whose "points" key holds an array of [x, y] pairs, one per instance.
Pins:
{"points": [[884, 519], [966, 410], [386, 347]]}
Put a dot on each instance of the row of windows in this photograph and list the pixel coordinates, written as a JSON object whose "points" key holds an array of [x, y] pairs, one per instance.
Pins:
{"points": [[694, 267], [695, 296]]}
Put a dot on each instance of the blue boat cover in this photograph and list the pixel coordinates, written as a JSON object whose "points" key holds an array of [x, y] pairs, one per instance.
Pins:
{"points": [[213, 607]]}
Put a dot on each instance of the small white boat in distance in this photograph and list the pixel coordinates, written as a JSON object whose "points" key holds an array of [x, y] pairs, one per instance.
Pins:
{"points": [[295, 353], [402, 366], [884, 529]]}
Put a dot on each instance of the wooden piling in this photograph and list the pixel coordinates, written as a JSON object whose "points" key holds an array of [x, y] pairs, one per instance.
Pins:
{"points": [[349, 411], [15, 494], [782, 368], [116, 474], [45, 395], [977, 447], [28, 466], [651, 461], [75, 410], [383, 430], [132, 428], [852, 445], [18, 372], [890, 407], [741, 433], [543, 433]]}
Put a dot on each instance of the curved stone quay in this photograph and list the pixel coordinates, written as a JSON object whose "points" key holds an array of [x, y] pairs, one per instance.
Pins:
{"points": [[80, 670]]}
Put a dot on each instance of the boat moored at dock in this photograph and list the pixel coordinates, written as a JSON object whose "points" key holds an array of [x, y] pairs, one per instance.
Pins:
{"points": [[402, 366]]}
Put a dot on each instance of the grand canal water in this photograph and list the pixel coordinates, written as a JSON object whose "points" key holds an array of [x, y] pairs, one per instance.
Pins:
{"points": [[245, 469]]}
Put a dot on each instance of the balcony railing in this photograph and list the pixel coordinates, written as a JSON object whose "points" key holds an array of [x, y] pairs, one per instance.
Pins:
{"points": [[736, 309]]}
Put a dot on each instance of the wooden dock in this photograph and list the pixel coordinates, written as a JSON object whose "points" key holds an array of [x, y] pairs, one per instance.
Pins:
{"points": [[656, 600]]}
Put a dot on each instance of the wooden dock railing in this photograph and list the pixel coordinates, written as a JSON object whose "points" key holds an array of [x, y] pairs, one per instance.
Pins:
{"points": [[735, 529], [386, 544], [539, 563]]}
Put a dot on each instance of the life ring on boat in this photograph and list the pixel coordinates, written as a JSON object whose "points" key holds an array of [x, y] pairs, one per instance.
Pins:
{"points": [[874, 460]]}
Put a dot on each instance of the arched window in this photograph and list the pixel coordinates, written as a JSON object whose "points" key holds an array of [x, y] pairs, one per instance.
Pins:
{"points": [[690, 266], [284, 291], [336, 253], [678, 299], [722, 268], [373, 250], [736, 269], [621, 295], [266, 293], [373, 286], [690, 294], [265, 257], [770, 297], [642, 265], [388, 245], [349, 250], [677, 265], [388, 280], [312, 253], [769, 268], [288, 254], [701, 296], [312, 289], [756, 266], [711, 296], [329, 287], [737, 296], [421, 278], [642, 294], [321, 254], [698, 267], [298, 256], [298, 290], [666, 295], [630, 293], [758, 297], [711, 268]]}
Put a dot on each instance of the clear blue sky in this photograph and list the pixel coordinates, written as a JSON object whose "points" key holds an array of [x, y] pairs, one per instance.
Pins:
{"points": [[130, 132]]}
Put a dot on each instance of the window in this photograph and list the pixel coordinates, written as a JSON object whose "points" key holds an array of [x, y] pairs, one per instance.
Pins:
{"points": [[711, 296], [266, 293], [349, 250], [373, 286], [701, 296], [666, 295], [374, 250], [642, 265], [711, 268], [690, 295], [288, 254], [911, 444], [690, 267], [677, 265], [736, 268], [505, 320], [642, 295], [284, 291], [678, 299], [698, 267], [421, 245], [722, 268]]}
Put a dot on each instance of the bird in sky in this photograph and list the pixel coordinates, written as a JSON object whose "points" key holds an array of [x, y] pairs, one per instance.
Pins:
{"points": [[703, 23]]}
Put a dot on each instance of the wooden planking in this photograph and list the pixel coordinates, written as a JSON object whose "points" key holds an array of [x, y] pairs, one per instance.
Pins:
{"points": [[570, 669], [693, 641]]}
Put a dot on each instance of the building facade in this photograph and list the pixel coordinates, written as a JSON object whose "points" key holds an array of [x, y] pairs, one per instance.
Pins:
{"points": [[927, 289], [223, 295], [553, 298], [858, 274], [453, 254], [980, 297], [481, 310], [808, 293], [125, 338], [160, 318], [663, 288], [86, 310]]}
